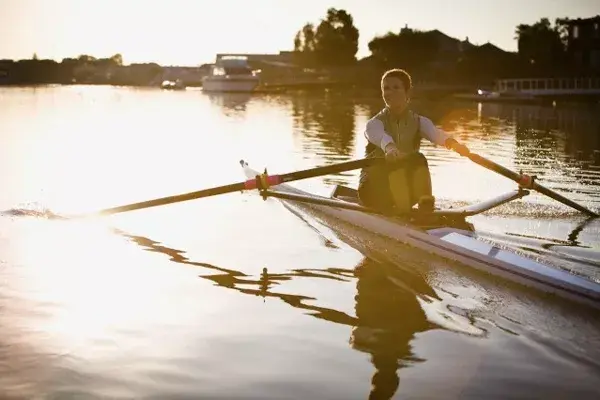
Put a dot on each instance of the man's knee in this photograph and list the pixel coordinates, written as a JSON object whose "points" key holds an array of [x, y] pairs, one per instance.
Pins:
{"points": [[419, 160]]}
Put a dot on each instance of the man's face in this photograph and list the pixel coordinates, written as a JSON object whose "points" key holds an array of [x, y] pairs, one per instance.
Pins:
{"points": [[393, 92]]}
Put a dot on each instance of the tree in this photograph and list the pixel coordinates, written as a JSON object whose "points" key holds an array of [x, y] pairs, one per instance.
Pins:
{"points": [[304, 45], [86, 59], [333, 43], [562, 26], [409, 49], [336, 39], [541, 45], [305, 39], [117, 59]]}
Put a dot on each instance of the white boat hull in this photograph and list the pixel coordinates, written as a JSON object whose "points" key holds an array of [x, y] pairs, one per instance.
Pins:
{"points": [[230, 84], [461, 246]]}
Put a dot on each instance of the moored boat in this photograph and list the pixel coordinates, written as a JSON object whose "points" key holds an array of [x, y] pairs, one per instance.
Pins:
{"points": [[173, 85], [231, 74]]}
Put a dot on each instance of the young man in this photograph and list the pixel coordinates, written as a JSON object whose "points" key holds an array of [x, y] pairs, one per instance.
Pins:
{"points": [[395, 133]]}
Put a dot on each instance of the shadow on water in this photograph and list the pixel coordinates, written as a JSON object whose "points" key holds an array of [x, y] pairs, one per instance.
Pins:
{"points": [[387, 315]]}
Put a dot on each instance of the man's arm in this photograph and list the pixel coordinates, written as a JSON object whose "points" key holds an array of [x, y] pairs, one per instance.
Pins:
{"points": [[376, 134], [430, 132]]}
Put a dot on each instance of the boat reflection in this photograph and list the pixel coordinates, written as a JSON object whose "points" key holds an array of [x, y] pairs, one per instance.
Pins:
{"points": [[231, 104], [388, 313]]}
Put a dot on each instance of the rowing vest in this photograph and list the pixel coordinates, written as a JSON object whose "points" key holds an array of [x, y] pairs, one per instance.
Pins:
{"points": [[404, 131]]}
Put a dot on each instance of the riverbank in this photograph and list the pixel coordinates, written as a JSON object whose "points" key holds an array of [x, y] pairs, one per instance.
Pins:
{"points": [[359, 77]]}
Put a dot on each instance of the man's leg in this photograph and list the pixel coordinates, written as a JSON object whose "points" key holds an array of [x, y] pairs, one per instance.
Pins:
{"points": [[421, 184], [400, 189], [374, 190]]}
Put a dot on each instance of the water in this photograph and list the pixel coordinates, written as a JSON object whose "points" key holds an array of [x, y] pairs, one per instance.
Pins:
{"points": [[235, 297]]}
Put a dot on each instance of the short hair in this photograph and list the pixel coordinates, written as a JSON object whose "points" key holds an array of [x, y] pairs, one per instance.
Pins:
{"points": [[400, 74]]}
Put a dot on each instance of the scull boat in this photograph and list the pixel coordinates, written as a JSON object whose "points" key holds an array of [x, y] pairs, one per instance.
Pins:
{"points": [[446, 233], [443, 232]]}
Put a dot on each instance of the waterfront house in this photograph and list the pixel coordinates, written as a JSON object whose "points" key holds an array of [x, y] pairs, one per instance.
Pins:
{"points": [[583, 45]]}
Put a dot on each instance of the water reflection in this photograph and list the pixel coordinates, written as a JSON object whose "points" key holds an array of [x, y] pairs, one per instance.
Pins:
{"points": [[325, 123], [230, 104], [571, 130], [388, 312], [558, 144], [389, 317], [391, 306]]}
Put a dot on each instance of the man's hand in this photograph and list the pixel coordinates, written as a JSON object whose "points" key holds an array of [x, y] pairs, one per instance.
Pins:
{"points": [[392, 154]]}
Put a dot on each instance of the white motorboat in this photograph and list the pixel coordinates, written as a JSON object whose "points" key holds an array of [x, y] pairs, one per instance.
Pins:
{"points": [[231, 74]]}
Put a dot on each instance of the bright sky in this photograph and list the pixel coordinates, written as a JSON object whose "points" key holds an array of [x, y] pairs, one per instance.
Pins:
{"points": [[191, 32]]}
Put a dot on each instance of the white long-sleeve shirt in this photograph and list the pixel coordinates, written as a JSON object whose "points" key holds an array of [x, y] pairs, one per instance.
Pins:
{"points": [[376, 134]]}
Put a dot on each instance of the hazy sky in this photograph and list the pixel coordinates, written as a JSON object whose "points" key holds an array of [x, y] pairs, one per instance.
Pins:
{"points": [[191, 32]]}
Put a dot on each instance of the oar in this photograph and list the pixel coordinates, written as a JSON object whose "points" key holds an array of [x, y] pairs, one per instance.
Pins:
{"points": [[527, 182], [260, 182]]}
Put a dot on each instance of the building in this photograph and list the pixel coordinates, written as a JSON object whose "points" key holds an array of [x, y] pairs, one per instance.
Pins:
{"points": [[583, 44]]}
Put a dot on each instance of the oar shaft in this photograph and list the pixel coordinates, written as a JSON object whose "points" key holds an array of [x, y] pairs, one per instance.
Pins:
{"points": [[535, 186], [246, 185], [331, 169], [489, 164], [562, 199], [177, 198]]}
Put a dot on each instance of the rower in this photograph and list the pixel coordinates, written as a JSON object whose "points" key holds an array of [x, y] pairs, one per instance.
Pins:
{"points": [[395, 133]]}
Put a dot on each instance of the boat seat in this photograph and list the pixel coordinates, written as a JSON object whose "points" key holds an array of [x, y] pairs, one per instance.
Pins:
{"points": [[345, 193]]}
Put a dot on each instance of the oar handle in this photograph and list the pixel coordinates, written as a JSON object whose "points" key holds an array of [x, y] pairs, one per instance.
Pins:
{"points": [[527, 182]]}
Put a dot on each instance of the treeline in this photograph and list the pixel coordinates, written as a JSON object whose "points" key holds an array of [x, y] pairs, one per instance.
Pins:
{"points": [[432, 55], [83, 69], [543, 46], [332, 45]]}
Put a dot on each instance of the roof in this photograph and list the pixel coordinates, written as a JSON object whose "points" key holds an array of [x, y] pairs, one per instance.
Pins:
{"points": [[489, 46], [580, 21]]}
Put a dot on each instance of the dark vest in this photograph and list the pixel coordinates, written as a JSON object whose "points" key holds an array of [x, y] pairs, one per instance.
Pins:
{"points": [[404, 131]]}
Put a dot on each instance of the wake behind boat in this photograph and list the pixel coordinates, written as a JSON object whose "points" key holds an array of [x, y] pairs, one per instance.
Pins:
{"points": [[445, 233]]}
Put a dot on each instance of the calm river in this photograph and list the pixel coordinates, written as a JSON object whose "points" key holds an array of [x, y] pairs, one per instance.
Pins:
{"points": [[233, 297]]}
